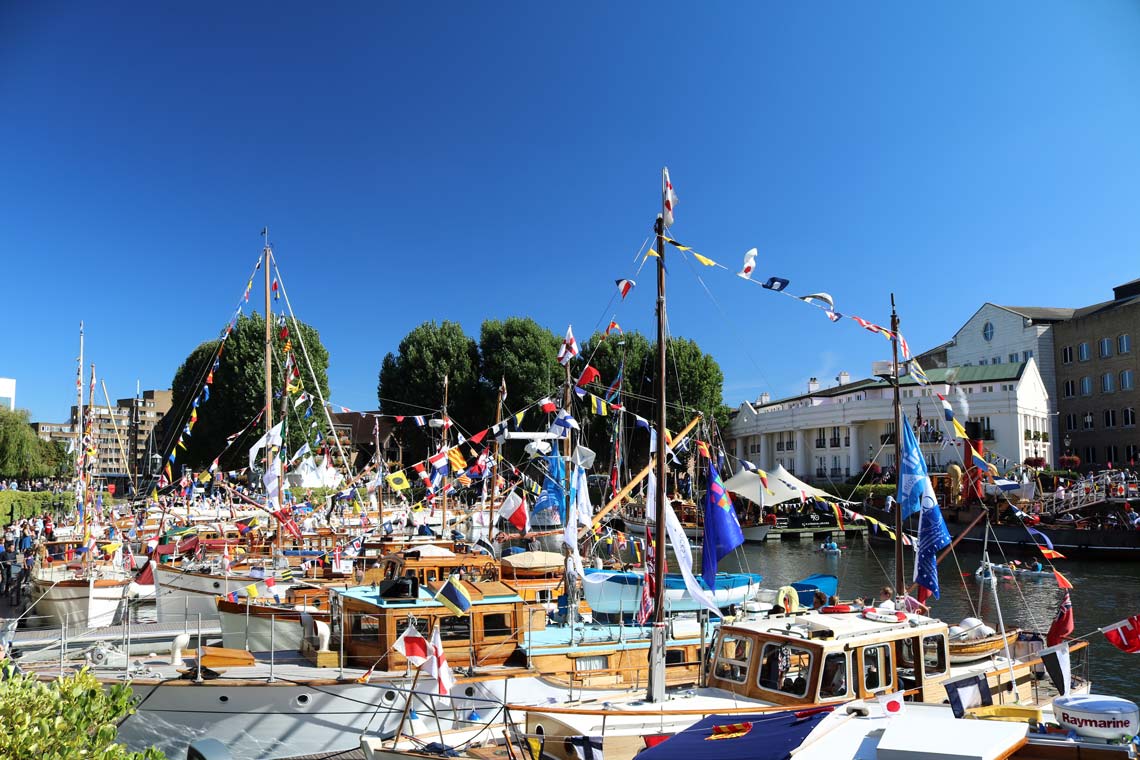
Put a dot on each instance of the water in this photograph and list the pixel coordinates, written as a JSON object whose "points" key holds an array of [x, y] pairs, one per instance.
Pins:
{"points": [[1103, 593]]}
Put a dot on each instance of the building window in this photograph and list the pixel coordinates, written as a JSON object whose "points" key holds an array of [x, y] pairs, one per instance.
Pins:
{"points": [[988, 331], [1110, 418], [1027, 355], [1083, 352], [1128, 417], [1070, 422], [982, 362], [1130, 451], [996, 360], [1090, 455], [1123, 344], [1086, 386], [1067, 355], [1013, 358], [1088, 421], [1105, 348], [1070, 388], [1127, 382], [1110, 453], [1107, 382]]}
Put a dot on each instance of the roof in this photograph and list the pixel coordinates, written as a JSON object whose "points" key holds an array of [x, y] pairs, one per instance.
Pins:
{"points": [[1096, 308], [480, 592], [1040, 313]]}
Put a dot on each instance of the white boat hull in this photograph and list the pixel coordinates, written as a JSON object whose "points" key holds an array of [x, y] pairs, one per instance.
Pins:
{"points": [[614, 598], [258, 634], [181, 597], [758, 533], [77, 603]]}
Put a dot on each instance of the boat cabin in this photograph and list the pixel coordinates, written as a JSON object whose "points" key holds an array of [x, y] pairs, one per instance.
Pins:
{"points": [[825, 658], [375, 616]]}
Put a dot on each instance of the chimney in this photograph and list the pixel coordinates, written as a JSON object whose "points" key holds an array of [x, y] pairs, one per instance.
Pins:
{"points": [[764, 398], [843, 378], [813, 385]]}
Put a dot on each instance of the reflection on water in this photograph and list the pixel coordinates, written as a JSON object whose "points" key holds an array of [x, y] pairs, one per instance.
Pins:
{"points": [[1103, 593]]}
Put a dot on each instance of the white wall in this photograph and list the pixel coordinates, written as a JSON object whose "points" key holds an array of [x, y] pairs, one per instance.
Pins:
{"points": [[8, 391]]}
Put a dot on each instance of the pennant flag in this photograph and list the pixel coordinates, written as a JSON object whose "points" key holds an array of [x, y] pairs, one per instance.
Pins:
{"points": [[613, 326], [669, 198], [624, 286], [703, 259], [703, 448], [251, 591], [569, 348], [398, 481], [1062, 581], [1058, 665], [547, 405], [824, 298], [1050, 553], [959, 431], [917, 373], [1063, 623], [598, 405], [514, 511], [455, 457], [589, 375], [776, 283], [412, 645], [749, 265], [437, 667], [946, 408], [1124, 635], [722, 527], [454, 596]]}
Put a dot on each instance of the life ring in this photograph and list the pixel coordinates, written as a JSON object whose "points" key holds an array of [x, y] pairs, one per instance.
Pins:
{"points": [[787, 598], [834, 608], [884, 616]]}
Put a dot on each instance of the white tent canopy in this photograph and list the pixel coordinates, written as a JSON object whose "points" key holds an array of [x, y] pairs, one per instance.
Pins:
{"points": [[782, 487]]}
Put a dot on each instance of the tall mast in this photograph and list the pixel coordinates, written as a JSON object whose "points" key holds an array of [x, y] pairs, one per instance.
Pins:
{"points": [[80, 454], [443, 447], [268, 355], [495, 462], [657, 642], [899, 587]]}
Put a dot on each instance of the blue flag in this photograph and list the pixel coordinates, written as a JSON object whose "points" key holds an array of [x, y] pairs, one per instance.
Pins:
{"points": [[722, 528], [552, 497], [916, 494]]}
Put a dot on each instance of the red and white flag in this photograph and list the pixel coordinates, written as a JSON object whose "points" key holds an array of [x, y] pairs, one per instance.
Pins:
{"points": [[413, 646], [437, 666], [749, 265], [515, 512], [892, 704], [547, 405], [1124, 635], [670, 198], [624, 286], [569, 348]]}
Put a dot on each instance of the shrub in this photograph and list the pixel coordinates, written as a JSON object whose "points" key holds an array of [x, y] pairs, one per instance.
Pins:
{"points": [[1069, 462], [1035, 462]]}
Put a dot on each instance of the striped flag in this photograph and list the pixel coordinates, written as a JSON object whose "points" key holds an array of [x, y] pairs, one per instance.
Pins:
{"points": [[624, 286], [669, 197], [569, 347], [946, 408]]}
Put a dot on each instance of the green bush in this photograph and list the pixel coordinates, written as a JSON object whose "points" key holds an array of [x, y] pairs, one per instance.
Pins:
{"points": [[71, 717], [878, 492], [16, 505]]}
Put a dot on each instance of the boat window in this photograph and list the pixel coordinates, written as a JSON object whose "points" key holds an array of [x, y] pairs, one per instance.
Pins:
{"points": [[732, 658], [878, 671], [455, 628], [785, 669], [497, 624], [834, 683], [593, 662], [421, 625], [934, 654], [674, 656]]}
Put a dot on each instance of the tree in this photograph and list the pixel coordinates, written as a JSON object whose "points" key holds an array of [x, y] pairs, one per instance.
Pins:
{"points": [[21, 453], [63, 719], [521, 351], [237, 393]]}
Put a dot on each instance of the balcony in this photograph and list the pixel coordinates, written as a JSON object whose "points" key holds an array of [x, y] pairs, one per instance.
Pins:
{"points": [[821, 472], [834, 443], [987, 435], [930, 436], [847, 440], [836, 472], [790, 446], [820, 443], [887, 438], [779, 445]]}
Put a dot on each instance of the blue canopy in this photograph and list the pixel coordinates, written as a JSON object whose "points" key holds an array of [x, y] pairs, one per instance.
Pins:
{"points": [[807, 587], [769, 736]]}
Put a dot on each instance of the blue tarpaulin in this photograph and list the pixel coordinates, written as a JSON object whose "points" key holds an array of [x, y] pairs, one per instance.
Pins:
{"points": [[806, 587], [769, 736]]}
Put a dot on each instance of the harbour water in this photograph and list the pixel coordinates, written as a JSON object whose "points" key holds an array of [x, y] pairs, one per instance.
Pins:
{"points": [[1104, 593]]}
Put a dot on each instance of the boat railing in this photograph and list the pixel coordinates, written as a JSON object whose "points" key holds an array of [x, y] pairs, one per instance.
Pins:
{"points": [[1083, 493]]}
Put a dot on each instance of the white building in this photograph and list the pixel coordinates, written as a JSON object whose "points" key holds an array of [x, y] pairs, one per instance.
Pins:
{"points": [[827, 434], [8, 393], [1009, 335]]}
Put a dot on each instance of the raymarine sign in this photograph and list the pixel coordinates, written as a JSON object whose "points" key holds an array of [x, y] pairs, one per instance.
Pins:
{"points": [[1096, 716]]}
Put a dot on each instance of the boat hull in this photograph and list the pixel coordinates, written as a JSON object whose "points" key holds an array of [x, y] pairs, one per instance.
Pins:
{"points": [[77, 602], [1072, 542], [979, 649], [611, 593], [181, 597]]}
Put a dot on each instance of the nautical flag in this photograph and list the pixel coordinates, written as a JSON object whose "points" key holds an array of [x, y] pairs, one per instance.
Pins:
{"points": [[977, 458], [824, 298], [563, 424], [587, 747], [903, 346], [873, 327], [624, 286], [916, 494], [589, 375], [439, 462], [276, 292], [598, 405], [613, 326], [412, 645], [959, 431], [398, 481], [454, 596], [1058, 666], [232, 596], [1062, 581], [615, 387], [749, 265], [547, 405], [703, 448], [1050, 553], [1124, 635], [287, 574], [437, 667], [648, 585], [251, 591], [947, 410], [569, 348], [419, 420], [722, 527], [1063, 625], [514, 511], [776, 283], [838, 514], [917, 373], [834, 316], [669, 198], [455, 457]]}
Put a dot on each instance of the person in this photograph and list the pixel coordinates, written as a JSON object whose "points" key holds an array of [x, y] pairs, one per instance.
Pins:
{"points": [[886, 598], [1036, 565], [832, 600], [858, 603], [10, 561], [818, 600]]}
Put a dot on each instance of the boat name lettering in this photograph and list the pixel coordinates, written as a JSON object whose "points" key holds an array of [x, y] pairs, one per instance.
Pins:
{"points": [[1073, 720]]}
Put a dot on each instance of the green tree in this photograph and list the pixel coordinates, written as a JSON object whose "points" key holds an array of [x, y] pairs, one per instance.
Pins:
{"points": [[237, 393], [72, 717], [21, 455], [411, 380], [521, 351]]}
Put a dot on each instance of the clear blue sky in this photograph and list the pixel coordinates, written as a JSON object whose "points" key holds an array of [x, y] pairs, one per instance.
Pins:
{"points": [[419, 161]]}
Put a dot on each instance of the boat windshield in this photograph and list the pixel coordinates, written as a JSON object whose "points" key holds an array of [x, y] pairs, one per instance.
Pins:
{"points": [[732, 658], [786, 669]]}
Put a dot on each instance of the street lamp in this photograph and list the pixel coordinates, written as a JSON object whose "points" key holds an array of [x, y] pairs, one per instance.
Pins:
{"points": [[155, 463], [1068, 442]]}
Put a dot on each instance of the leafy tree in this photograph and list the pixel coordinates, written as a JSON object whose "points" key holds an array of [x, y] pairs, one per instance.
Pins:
{"points": [[69, 718], [21, 454], [237, 393], [521, 351]]}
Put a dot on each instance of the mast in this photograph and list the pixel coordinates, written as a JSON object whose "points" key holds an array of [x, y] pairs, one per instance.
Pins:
{"points": [[268, 356], [657, 642], [443, 447], [80, 455], [495, 463], [899, 581]]}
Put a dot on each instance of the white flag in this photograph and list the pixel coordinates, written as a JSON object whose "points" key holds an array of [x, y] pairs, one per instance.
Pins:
{"points": [[413, 646], [569, 348], [271, 438], [670, 198], [437, 667]]}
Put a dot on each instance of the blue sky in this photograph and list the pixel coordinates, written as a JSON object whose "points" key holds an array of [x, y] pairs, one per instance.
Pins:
{"points": [[455, 161]]}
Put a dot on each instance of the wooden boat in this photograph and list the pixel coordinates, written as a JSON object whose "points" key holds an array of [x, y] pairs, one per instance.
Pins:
{"points": [[987, 646]]}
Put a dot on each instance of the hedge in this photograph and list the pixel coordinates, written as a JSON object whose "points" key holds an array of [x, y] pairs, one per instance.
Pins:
{"points": [[859, 493], [17, 505]]}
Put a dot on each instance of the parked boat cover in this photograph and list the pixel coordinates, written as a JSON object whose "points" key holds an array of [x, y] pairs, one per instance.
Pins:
{"points": [[764, 736]]}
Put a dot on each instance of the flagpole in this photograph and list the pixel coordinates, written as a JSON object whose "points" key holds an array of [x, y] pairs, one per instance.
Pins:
{"points": [[495, 463], [656, 691], [898, 449], [443, 448], [408, 700]]}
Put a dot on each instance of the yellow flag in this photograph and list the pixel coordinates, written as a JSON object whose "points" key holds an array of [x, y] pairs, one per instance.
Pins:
{"points": [[112, 547], [251, 591], [959, 430], [704, 259], [398, 481]]}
